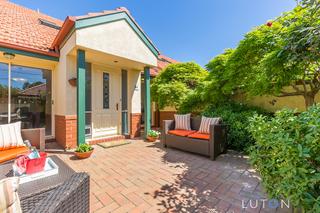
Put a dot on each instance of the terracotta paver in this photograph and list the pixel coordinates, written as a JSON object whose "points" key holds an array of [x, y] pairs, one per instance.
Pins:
{"points": [[145, 177]]}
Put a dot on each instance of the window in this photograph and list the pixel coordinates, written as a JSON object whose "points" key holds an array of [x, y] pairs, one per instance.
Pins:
{"points": [[49, 24], [4, 92], [106, 79], [26, 97]]}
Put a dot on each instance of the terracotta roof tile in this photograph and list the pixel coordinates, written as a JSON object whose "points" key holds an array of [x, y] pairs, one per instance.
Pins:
{"points": [[163, 62], [21, 26]]}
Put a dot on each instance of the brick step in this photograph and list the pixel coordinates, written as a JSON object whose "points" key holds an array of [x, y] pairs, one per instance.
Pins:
{"points": [[106, 139]]}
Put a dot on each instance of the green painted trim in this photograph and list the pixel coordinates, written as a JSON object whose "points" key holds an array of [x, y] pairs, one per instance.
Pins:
{"points": [[147, 102], [30, 54], [81, 96], [97, 20]]}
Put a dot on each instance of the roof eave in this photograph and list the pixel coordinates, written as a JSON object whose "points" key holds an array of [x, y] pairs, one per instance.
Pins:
{"points": [[16, 49], [68, 24]]}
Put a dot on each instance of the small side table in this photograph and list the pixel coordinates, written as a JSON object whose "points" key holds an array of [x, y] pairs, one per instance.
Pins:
{"points": [[32, 192]]}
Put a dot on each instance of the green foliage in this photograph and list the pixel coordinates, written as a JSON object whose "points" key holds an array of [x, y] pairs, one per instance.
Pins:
{"points": [[272, 57], [175, 82], [237, 116], [210, 90], [287, 155], [153, 133], [84, 148]]}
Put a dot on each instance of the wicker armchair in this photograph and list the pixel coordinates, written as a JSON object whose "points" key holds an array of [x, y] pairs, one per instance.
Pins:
{"points": [[70, 197]]}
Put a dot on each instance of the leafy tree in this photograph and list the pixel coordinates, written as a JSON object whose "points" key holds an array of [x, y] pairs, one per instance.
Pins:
{"points": [[210, 91], [283, 52], [28, 85], [175, 83]]}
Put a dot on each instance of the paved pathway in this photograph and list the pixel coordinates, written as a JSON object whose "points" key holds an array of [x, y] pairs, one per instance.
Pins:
{"points": [[144, 177]]}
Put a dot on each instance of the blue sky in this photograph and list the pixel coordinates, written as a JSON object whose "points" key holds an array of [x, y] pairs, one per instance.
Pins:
{"points": [[186, 30]]}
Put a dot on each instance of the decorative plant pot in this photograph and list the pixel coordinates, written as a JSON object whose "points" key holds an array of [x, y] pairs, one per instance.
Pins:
{"points": [[83, 155], [152, 139], [73, 82]]}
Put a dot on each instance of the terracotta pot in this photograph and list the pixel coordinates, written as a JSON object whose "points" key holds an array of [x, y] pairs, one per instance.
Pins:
{"points": [[83, 155], [73, 82], [152, 139]]}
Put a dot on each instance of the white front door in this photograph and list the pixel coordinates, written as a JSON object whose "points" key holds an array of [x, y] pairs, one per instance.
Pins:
{"points": [[106, 102]]}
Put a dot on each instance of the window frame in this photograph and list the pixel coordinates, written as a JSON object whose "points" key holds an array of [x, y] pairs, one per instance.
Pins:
{"points": [[106, 88]]}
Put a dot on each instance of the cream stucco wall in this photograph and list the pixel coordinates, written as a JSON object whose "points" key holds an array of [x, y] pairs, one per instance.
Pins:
{"points": [[116, 38], [272, 103], [134, 91], [66, 69]]}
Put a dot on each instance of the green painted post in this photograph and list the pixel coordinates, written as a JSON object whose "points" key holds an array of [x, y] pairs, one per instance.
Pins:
{"points": [[147, 102], [81, 96]]}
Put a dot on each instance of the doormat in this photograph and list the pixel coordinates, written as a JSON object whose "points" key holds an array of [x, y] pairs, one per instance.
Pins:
{"points": [[113, 143]]}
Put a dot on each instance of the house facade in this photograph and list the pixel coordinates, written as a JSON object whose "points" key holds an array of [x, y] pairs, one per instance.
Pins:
{"points": [[80, 79]]}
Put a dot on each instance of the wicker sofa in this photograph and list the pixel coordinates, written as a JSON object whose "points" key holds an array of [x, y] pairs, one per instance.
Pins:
{"points": [[36, 138], [212, 147]]}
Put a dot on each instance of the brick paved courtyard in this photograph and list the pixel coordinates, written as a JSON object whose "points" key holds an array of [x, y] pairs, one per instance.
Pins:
{"points": [[144, 177]]}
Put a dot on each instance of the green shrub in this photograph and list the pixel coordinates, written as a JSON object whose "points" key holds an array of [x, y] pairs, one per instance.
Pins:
{"points": [[153, 133], [237, 116], [84, 148], [287, 155]]}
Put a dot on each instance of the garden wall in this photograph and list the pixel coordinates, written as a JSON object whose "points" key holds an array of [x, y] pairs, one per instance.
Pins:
{"points": [[272, 103]]}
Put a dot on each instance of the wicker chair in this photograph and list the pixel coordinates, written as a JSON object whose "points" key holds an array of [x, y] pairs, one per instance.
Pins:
{"points": [[70, 197]]}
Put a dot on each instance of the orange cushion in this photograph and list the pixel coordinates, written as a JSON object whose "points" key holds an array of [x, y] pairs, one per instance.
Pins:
{"points": [[180, 132], [198, 135], [10, 154]]}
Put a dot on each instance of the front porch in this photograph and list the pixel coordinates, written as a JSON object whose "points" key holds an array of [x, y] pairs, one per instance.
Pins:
{"points": [[104, 55], [168, 181]]}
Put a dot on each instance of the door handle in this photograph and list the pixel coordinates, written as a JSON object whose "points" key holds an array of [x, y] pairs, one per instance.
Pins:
{"points": [[117, 106]]}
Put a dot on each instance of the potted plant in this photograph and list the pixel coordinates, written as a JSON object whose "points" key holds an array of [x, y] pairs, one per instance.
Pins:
{"points": [[153, 135], [83, 151]]}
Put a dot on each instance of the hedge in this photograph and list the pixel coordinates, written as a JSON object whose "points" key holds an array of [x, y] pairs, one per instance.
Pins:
{"points": [[287, 155]]}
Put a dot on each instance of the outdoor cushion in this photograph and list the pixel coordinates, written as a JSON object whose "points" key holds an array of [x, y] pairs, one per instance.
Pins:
{"points": [[10, 154], [9, 199], [206, 123], [179, 132], [182, 121], [198, 135], [10, 136]]}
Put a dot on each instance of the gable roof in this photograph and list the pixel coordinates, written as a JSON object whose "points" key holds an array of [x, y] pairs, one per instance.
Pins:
{"points": [[22, 28], [107, 16]]}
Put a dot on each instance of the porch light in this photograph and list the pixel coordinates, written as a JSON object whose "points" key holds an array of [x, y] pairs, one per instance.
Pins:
{"points": [[9, 56]]}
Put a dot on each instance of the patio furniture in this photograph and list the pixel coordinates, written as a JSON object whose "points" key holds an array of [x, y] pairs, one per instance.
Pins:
{"points": [[36, 138], [65, 192], [215, 144]]}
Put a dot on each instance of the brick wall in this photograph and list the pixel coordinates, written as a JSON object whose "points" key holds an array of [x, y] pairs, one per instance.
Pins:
{"points": [[66, 130], [135, 124]]}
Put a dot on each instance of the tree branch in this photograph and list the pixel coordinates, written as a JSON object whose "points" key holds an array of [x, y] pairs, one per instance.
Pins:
{"points": [[294, 86], [286, 94]]}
